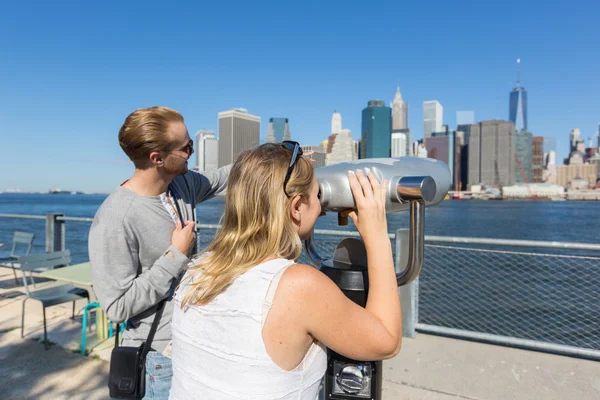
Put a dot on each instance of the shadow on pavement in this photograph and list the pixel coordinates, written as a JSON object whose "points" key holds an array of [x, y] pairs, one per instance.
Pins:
{"points": [[27, 371]]}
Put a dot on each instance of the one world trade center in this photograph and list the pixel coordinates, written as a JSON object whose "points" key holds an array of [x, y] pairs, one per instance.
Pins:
{"points": [[518, 104]]}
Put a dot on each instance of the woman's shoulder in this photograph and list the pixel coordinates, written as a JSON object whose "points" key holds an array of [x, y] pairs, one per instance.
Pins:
{"points": [[303, 279], [304, 294], [302, 271]]}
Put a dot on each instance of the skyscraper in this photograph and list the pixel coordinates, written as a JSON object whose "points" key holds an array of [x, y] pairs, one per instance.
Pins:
{"points": [[324, 144], [376, 137], [336, 127], [463, 136], [342, 149], [399, 112], [537, 159], [419, 149], [278, 130], [207, 157], [518, 104], [238, 131], [445, 146], [398, 144], [357, 149], [336, 123], [492, 153], [339, 146], [566, 174], [524, 155], [550, 173], [433, 117], [400, 123], [574, 139]]}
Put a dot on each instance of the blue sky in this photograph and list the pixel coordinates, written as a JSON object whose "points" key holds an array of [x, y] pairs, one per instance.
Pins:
{"points": [[70, 72]]}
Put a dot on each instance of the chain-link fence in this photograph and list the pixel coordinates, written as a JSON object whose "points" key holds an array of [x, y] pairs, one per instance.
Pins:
{"points": [[544, 295], [529, 294], [546, 292]]}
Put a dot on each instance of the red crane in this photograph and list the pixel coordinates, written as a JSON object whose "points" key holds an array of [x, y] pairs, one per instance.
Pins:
{"points": [[524, 177]]}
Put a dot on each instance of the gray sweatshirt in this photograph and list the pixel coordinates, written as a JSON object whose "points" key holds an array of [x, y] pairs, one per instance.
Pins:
{"points": [[128, 242]]}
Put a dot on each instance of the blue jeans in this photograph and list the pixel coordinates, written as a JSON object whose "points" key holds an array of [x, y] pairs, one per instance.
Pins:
{"points": [[159, 372]]}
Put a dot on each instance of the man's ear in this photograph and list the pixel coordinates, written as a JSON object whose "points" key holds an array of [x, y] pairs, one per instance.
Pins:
{"points": [[156, 159]]}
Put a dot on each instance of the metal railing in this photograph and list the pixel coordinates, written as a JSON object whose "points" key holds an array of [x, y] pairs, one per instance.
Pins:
{"points": [[538, 295], [529, 294]]}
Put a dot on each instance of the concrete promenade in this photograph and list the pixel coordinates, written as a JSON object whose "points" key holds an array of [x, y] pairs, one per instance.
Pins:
{"points": [[428, 367]]}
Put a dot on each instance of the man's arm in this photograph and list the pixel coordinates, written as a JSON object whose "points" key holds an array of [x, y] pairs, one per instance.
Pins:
{"points": [[123, 293], [210, 183]]}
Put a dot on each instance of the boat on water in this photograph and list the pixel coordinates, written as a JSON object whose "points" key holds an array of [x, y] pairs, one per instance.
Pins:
{"points": [[461, 196], [60, 191]]}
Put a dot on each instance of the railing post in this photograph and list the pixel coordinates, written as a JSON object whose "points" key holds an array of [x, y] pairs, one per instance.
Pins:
{"points": [[55, 233], [409, 294]]}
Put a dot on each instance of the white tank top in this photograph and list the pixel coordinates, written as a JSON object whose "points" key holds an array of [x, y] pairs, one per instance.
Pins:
{"points": [[218, 349]]}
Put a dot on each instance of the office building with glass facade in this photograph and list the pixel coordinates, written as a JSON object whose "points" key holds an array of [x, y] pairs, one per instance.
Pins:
{"points": [[376, 137], [278, 130], [518, 108]]}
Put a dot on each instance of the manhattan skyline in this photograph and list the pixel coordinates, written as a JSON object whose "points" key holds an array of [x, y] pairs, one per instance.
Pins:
{"points": [[75, 71]]}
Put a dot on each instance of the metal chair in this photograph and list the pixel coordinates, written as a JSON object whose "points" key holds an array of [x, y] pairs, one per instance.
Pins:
{"points": [[53, 295], [25, 239], [84, 325]]}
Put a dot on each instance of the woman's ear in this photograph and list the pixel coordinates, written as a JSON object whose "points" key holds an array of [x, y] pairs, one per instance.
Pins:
{"points": [[295, 209]]}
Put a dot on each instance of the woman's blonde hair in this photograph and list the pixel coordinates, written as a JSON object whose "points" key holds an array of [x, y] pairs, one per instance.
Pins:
{"points": [[257, 221], [147, 130]]}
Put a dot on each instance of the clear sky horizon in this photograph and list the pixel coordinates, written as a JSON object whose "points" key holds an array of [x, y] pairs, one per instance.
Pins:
{"points": [[72, 71]]}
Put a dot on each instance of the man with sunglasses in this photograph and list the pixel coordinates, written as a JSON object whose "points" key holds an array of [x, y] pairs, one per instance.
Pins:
{"points": [[144, 233]]}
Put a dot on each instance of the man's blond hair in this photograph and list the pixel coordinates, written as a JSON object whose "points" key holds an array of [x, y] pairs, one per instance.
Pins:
{"points": [[147, 130]]}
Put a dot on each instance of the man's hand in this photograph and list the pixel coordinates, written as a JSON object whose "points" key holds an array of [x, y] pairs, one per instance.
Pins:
{"points": [[309, 155], [183, 237]]}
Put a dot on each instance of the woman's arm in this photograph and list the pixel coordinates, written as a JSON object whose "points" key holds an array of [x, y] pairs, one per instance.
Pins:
{"points": [[370, 333], [318, 307]]}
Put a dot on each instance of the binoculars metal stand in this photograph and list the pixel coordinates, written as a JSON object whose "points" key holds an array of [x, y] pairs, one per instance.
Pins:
{"points": [[348, 379]]}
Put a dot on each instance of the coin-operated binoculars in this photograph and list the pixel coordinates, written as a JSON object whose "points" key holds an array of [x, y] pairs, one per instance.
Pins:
{"points": [[413, 184]]}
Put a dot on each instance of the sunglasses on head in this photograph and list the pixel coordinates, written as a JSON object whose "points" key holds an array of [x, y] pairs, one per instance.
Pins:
{"points": [[294, 147]]}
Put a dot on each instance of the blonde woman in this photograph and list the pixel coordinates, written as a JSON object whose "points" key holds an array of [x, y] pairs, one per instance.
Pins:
{"points": [[251, 323]]}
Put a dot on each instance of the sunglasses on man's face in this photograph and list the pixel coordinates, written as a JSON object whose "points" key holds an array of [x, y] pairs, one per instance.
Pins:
{"points": [[294, 147], [188, 148]]}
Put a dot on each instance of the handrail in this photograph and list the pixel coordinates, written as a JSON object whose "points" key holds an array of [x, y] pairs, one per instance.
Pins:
{"points": [[24, 216], [428, 238], [75, 219], [514, 242]]}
